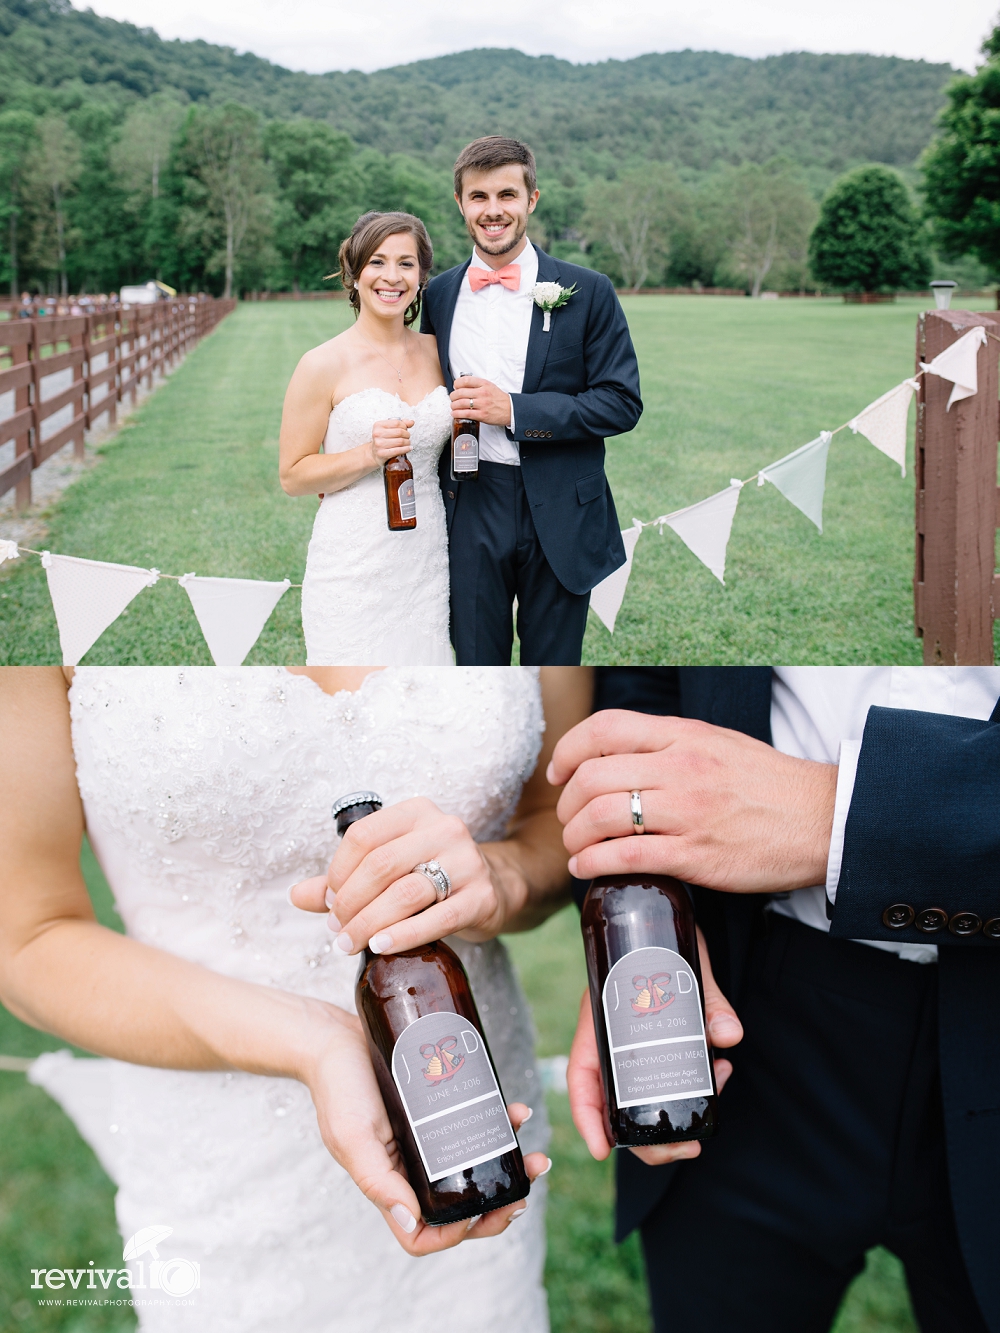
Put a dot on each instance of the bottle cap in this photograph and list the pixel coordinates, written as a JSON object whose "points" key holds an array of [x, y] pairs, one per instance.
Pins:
{"points": [[356, 798]]}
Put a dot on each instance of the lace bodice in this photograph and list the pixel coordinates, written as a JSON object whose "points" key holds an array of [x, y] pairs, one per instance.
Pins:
{"points": [[371, 596], [207, 792]]}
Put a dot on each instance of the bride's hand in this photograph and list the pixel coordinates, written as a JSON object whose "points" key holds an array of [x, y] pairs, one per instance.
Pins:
{"points": [[389, 439], [375, 897], [356, 1131]]}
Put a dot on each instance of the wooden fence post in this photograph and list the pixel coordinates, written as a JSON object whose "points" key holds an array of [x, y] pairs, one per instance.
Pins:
{"points": [[957, 499]]}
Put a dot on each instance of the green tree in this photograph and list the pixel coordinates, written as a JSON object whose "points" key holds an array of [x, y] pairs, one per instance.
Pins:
{"points": [[319, 197], [17, 135], [766, 214], [54, 167], [228, 187], [962, 166], [634, 217], [869, 237]]}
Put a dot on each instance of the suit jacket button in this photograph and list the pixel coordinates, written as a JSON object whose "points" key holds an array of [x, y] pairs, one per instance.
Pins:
{"points": [[451, 495], [964, 923], [898, 916], [992, 928], [548, 435], [931, 920]]}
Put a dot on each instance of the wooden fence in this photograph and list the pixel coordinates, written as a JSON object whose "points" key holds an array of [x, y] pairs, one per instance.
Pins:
{"points": [[956, 589], [103, 357]]}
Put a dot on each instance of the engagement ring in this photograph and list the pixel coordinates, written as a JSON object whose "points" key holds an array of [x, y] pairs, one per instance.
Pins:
{"points": [[437, 875], [636, 803]]}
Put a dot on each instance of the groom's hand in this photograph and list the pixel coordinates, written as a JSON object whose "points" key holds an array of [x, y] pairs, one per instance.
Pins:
{"points": [[583, 1075], [489, 404], [719, 808]]}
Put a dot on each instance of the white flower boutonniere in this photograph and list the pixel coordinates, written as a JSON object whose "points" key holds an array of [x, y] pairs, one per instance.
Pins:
{"points": [[549, 296]]}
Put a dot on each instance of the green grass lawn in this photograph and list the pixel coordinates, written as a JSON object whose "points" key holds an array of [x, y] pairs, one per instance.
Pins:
{"points": [[190, 483], [56, 1204]]}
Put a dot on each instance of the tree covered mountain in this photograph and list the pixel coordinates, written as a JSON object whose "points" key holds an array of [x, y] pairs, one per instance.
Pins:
{"points": [[695, 109]]}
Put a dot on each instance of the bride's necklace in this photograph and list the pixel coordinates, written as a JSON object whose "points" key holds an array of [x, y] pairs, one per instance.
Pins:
{"points": [[398, 373]]}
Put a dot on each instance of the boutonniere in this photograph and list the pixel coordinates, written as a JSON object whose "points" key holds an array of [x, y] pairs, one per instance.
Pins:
{"points": [[549, 296]]}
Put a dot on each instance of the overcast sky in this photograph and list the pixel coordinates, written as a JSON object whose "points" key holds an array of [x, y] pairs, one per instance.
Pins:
{"points": [[317, 35]]}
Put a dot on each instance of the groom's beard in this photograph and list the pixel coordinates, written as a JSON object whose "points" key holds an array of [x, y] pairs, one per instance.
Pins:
{"points": [[501, 247]]}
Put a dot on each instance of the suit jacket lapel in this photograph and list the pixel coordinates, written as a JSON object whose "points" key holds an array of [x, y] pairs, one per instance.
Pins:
{"points": [[443, 329], [538, 342]]}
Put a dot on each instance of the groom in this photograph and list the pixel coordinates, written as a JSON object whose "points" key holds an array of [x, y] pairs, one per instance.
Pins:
{"points": [[539, 525]]}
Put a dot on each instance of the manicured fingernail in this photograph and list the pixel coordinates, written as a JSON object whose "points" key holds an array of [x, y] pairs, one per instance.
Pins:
{"points": [[402, 1216], [332, 923], [526, 1118], [472, 1221], [344, 943], [329, 897], [572, 865], [548, 1168], [550, 774], [380, 943], [516, 1213], [288, 894]]}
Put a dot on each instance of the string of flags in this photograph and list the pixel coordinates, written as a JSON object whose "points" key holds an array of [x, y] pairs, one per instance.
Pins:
{"points": [[89, 595], [800, 476]]}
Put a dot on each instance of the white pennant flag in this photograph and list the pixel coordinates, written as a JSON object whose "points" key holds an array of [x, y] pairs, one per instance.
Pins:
{"points": [[606, 598], [87, 596], [801, 476], [232, 613], [704, 527], [958, 363], [8, 551], [883, 422]]}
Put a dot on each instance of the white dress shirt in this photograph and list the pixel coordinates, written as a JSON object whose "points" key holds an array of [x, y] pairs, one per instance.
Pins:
{"points": [[489, 337], [819, 713]]}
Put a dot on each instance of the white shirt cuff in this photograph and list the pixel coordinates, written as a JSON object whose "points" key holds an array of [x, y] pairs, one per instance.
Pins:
{"points": [[846, 773], [511, 426]]}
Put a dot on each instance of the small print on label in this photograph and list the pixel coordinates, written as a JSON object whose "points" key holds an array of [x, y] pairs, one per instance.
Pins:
{"points": [[656, 1032], [451, 1094], [407, 501], [466, 453]]}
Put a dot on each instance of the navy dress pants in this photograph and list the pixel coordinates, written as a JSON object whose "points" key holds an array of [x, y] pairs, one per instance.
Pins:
{"points": [[830, 1141], [496, 556]]}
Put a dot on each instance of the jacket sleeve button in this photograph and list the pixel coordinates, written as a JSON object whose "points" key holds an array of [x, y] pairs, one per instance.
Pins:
{"points": [[992, 928], [964, 923], [898, 916], [548, 435], [931, 920]]}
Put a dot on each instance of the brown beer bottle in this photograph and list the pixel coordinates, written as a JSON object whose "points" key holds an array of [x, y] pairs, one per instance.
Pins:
{"points": [[400, 498], [435, 1072], [464, 447], [649, 1011]]}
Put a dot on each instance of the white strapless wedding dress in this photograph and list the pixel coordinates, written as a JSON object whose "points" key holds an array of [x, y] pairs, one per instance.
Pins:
{"points": [[207, 793], [371, 597]]}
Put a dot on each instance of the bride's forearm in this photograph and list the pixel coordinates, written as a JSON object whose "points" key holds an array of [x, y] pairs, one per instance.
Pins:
{"points": [[119, 998], [321, 474], [531, 869]]}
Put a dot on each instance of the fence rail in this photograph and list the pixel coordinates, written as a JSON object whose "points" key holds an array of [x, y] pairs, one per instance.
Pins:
{"points": [[87, 364]]}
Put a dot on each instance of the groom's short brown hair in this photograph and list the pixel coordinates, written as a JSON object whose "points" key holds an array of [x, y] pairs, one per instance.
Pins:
{"points": [[495, 151]]}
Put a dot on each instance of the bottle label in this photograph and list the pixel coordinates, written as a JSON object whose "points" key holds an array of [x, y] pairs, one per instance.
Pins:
{"points": [[656, 1033], [451, 1095], [407, 500], [465, 453]]}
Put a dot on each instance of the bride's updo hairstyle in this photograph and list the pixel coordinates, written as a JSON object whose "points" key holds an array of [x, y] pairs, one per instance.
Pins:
{"points": [[369, 234]]}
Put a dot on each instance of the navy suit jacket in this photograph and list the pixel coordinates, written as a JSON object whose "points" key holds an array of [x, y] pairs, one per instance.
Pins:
{"points": [[923, 830], [581, 384]]}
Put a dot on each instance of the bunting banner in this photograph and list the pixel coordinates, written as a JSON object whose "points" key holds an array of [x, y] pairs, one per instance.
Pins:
{"points": [[606, 598], [704, 527], [232, 613], [801, 476], [88, 596], [958, 363], [883, 423], [8, 551]]}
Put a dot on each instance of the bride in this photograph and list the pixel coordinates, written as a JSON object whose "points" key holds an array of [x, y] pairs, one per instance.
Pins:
{"points": [[374, 392], [235, 1101]]}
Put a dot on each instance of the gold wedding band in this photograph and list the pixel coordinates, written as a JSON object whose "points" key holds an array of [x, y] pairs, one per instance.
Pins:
{"points": [[635, 800]]}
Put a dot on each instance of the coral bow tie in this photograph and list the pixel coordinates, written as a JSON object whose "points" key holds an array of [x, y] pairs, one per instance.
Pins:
{"points": [[510, 276]]}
